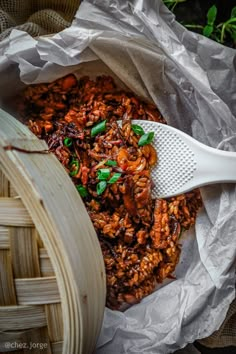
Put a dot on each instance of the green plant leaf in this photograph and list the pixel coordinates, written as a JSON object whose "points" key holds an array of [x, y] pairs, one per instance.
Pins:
{"points": [[233, 12], [233, 35], [168, 3], [207, 30], [211, 15], [171, 4], [215, 37]]}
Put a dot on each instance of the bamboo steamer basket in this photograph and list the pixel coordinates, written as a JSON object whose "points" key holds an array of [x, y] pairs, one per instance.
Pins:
{"points": [[52, 275]]}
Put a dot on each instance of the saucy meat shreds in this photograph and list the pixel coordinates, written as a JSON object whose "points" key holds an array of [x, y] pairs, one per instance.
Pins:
{"points": [[139, 236]]}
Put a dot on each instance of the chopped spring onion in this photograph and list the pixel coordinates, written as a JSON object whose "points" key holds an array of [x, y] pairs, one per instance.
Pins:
{"points": [[101, 186], [74, 166], [98, 128], [137, 129], [82, 190], [111, 163], [68, 142], [114, 178], [146, 139], [103, 174]]}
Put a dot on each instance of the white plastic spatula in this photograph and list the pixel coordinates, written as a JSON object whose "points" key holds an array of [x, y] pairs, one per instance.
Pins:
{"points": [[184, 163]]}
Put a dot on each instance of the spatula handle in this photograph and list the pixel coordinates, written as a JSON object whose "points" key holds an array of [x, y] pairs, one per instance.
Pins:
{"points": [[214, 165]]}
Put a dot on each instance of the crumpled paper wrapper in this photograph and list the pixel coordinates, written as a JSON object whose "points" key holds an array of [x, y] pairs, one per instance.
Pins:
{"points": [[192, 80]]}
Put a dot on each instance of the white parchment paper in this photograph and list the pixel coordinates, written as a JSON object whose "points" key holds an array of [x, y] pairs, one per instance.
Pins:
{"points": [[192, 80]]}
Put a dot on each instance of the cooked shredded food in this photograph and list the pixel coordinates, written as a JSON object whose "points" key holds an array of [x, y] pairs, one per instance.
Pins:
{"points": [[139, 236]]}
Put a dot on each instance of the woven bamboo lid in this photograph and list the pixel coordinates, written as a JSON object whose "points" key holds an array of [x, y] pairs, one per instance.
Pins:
{"points": [[52, 276]]}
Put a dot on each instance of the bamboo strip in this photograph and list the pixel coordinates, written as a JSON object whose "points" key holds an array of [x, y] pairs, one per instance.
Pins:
{"points": [[30, 143], [43, 253], [54, 322], [4, 238], [13, 213], [22, 317], [33, 291], [46, 268], [39, 240], [13, 192], [7, 290], [24, 251], [56, 347], [4, 185]]}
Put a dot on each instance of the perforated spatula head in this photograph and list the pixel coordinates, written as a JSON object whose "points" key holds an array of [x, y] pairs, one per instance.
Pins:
{"points": [[184, 163]]}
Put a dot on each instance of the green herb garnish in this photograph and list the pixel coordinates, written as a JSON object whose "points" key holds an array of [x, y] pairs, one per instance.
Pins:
{"points": [[82, 190], [114, 178], [137, 129], [74, 166], [111, 163], [101, 186], [68, 142], [146, 139], [98, 128], [103, 174]]}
